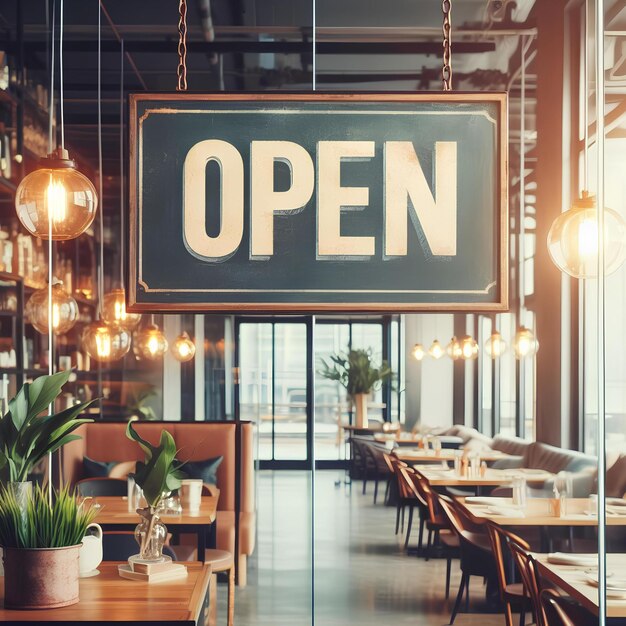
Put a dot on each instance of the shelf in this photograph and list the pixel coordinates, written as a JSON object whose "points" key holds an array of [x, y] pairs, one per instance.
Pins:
{"points": [[25, 372], [6, 186]]}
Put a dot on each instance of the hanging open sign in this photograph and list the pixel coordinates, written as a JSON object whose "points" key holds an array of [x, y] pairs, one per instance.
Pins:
{"points": [[311, 202]]}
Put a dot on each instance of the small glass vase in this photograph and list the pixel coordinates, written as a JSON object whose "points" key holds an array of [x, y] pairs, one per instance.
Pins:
{"points": [[22, 492], [150, 534]]}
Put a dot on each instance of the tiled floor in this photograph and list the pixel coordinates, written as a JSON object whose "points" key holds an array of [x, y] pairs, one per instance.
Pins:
{"points": [[362, 576]]}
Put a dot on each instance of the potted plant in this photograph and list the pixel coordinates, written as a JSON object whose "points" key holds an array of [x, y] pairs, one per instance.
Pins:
{"points": [[41, 546], [158, 475], [359, 375], [26, 437]]}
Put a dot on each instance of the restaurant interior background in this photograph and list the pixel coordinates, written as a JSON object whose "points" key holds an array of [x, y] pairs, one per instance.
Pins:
{"points": [[266, 368]]}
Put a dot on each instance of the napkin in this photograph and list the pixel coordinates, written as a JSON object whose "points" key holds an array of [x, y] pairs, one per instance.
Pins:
{"points": [[564, 558], [505, 511], [490, 501]]}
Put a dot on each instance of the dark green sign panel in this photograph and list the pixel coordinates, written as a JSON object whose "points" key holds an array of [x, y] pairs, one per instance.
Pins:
{"points": [[342, 202]]}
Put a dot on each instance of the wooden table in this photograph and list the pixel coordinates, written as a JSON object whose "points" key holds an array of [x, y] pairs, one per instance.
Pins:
{"points": [[537, 513], [114, 515], [492, 477], [107, 599], [420, 455], [572, 579]]}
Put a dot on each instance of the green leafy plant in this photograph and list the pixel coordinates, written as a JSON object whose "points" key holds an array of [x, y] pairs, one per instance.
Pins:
{"points": [[41, 524], [25, 437], [138, 404], [356, 371], [160, 472]]}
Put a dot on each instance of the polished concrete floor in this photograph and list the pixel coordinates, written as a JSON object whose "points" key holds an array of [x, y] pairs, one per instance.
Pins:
{"points": [[362, 576]]}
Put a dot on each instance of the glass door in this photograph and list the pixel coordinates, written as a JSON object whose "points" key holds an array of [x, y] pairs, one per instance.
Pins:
{"points": [[274, 359]]}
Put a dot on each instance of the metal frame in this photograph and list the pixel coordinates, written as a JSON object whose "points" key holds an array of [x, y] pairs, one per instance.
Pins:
{"points": [[135, 283]]}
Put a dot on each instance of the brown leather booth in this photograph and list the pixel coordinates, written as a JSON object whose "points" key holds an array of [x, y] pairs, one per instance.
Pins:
{"points": [[196, 441]]}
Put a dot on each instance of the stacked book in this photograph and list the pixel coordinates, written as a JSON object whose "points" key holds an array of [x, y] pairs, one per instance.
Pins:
{"points": [[152, 572]]}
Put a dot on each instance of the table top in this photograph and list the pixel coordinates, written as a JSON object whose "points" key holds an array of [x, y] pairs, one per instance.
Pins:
{"points": [[537, 513], [418, 455], [572, 579], [110, 599], [493, 477], [114, 510]]}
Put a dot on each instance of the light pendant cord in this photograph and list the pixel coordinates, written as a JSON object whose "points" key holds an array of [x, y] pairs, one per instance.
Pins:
{"points": [[100, 185], [61, 101], [586, 101], [122, 197], [312, 378], [52, 60]]}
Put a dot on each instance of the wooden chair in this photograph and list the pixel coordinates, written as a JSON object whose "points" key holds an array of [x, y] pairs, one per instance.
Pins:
{"points": [[377, 469], [527, 567], [437, 520], [222, 561], [475, 554], [512, 593], [408, 497], [563, 611], [94, 487]]}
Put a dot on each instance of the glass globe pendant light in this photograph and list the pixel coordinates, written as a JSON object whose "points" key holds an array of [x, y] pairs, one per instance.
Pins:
{"points": [[56, 199], [105, 342], [64, 309], [150, 342], [525, 344], [183, 348], [114, 310], [418, 352], [495, 346], [573, 239], [468, 348], [436, 350], [453, 349]]}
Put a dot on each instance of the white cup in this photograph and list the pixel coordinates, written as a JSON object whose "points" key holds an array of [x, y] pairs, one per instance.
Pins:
{"points": [[90, 555], [191, 494]]}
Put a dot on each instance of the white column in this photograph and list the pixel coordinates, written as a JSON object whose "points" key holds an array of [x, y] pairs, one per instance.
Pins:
{"points": [[171, 372], [198, 337]]}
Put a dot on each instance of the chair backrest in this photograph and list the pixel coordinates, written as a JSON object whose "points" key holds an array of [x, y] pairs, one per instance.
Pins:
{"points": [[94, 487], [408, 485], [397, 465], [435, 513], [500, 541], [377, 454], [527, 567], [563, 611]]}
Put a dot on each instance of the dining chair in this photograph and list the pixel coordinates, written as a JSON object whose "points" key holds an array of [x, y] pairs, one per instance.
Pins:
{"points": [[94, 487], [380, 469], [476, 558], [564, 611], [527, 567], [512, 594], [409, 497], [436, 520]]}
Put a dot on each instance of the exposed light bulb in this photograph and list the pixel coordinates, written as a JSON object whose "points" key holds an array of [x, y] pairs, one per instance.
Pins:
{"points": [[418, 352], [469, 348], [114, 310], [453, 349], [495, 346], [105, 342], [436, 351], [525, 344], [183, 348]]}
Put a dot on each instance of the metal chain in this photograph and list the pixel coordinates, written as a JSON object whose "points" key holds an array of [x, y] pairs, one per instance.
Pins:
{"points": [[182, 46], [446, 71]]}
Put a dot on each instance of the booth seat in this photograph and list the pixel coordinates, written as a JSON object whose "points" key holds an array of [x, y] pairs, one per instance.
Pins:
{"points": [[196, 441]]}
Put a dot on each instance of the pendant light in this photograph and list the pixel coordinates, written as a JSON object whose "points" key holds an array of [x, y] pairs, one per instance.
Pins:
{"points": [[468, 348], [114, 303], [453, 349], [436, 350], [183, 348], [573, 237], [525, 344], [418, 352], [150, 342], [495, 346], [64, 309], [103, 342], [56, 201]]}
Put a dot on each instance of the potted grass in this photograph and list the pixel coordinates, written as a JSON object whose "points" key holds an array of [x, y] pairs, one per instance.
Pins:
{"points": [[158, 475], [26, 436], [359, 375], [41, 545]]}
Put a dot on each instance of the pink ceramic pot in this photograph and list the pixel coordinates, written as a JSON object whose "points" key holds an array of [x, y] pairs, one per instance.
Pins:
{"points": [[43, 578]]}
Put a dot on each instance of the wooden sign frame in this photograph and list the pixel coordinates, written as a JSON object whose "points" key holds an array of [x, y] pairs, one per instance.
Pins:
{"points": [[143, 297]]}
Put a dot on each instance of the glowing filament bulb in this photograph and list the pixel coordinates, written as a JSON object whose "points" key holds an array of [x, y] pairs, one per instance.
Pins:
{"points": [[153, 345], [588, 238], [56, 197], [120, 311], [56, 316], [103, 344]]}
